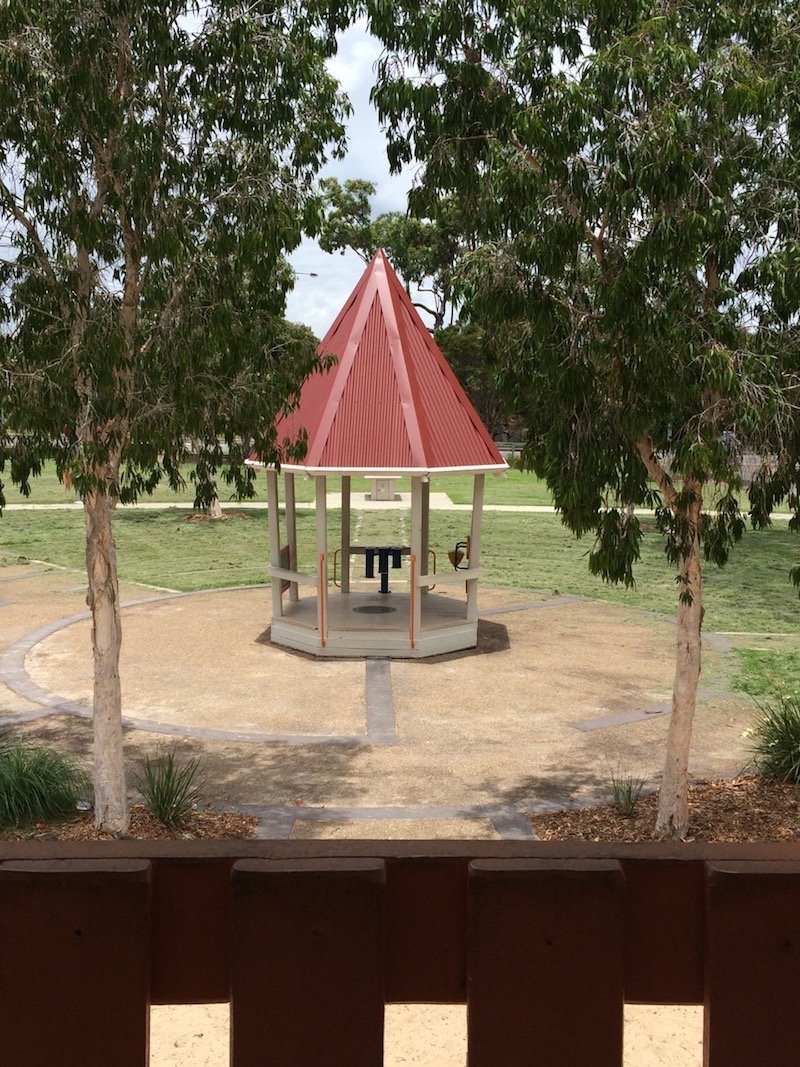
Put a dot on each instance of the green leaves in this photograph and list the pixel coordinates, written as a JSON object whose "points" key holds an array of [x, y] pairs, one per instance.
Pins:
{"points": [[156, 164], [633, 184], [616, 547]]}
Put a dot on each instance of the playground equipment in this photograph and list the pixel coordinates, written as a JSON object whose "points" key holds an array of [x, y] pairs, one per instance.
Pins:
{"points": [[458, 554]]}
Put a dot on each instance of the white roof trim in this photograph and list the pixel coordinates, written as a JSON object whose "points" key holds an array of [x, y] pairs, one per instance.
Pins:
{"points": [[386, 472]]}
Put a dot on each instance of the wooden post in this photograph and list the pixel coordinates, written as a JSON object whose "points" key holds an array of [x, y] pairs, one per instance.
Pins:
{"points": [[345, 553], [307, 974], [321, 498], [475, 546], [752, 964], [75, 962], [274, 520], [425, 539], [291, 532], [415, 601], [545, 979]]}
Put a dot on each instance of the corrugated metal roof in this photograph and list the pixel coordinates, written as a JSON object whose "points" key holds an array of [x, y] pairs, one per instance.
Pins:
{"points": [[391, 403]]}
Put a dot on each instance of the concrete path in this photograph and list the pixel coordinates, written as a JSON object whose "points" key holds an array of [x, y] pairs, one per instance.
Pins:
{"points": [[560, 692], [358, 501]]}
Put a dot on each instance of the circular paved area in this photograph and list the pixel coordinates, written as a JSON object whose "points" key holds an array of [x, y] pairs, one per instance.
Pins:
{"points": [[559, 693]]}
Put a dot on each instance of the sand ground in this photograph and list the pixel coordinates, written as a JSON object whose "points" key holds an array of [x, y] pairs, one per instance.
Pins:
{"points": [[504, 727], [426, 1035]]}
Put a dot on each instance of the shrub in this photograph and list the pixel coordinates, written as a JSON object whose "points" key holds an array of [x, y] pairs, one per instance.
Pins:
{"points": [[170, 790], [37, 784], [776, 740], [625, 791]]}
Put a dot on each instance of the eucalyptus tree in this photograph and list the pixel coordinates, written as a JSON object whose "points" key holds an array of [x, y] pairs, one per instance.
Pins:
{"points": [[157, 162], [423, 250], [633, 170]]}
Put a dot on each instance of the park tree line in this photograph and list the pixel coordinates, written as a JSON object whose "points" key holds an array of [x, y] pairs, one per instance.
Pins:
{"points": [[157, 164], [606, 214], [632, 173]]}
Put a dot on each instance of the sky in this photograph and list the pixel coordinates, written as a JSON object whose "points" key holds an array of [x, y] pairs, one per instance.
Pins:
{"points": [[316, 301]]}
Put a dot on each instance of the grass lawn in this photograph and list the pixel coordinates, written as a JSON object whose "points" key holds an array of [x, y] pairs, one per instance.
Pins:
{"points": [[162, 548], [514, 487], [752, 595], [766, 673]]}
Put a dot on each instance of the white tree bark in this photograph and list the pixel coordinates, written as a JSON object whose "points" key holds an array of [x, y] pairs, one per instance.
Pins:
{"points": [[110, 798], [672, 820]]}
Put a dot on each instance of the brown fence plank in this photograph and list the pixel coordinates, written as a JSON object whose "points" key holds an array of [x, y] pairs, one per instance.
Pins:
{"points": [[307, 982], [426, 934], [664, 921], [752, 1001], [191, 931], [545, 982], [74, 963]]}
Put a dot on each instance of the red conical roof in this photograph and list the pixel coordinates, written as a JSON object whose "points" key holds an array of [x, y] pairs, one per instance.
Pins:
{"points": [[390, 404]]}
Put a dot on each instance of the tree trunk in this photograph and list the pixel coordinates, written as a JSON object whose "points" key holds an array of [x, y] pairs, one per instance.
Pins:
{"points": [[672, 820], [110, 799]]}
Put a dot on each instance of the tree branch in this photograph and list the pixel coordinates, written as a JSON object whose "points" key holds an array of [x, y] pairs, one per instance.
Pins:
{"points": [[647, 452], [27, 224], [566, 201]]}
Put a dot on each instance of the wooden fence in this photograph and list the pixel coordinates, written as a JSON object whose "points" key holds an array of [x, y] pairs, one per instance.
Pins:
{"points": [[308, 940]]}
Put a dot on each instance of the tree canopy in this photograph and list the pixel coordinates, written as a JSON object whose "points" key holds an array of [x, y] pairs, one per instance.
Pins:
{"points": [[157, 163], [632, 170], [423, 250]]}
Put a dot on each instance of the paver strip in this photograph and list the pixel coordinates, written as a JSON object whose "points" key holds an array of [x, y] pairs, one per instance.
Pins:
{"points": [[381, 722]]}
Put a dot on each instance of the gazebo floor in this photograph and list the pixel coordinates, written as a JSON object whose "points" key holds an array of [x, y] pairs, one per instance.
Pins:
{"points": [[375, 624]]}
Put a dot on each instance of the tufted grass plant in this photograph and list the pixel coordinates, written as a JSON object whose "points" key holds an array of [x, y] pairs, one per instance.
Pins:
{"points": [[775, 740], [37, 784], [170, 789], [625, 791]]}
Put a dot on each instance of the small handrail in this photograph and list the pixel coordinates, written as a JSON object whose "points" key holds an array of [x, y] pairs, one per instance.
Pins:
{"points": [[411, 601], [323, 600]]}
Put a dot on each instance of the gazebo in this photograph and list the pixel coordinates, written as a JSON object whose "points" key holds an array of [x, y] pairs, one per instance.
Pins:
{"points": [[389, 407]]}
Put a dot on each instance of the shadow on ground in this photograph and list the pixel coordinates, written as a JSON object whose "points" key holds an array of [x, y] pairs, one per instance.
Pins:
{"points": [[556, 784], [232, 774]]}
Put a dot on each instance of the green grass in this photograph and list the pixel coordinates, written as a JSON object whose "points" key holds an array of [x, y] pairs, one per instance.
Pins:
{"points": [[753, 593], [46, 489], [768, 673], [515, 487]]}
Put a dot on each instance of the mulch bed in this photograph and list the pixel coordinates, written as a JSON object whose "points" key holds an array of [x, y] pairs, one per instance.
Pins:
{"points": [[201, 825], [742, 809]]}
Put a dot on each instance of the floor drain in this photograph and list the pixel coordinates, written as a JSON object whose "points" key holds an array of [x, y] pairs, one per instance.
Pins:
{"points": [[375, 609]]}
